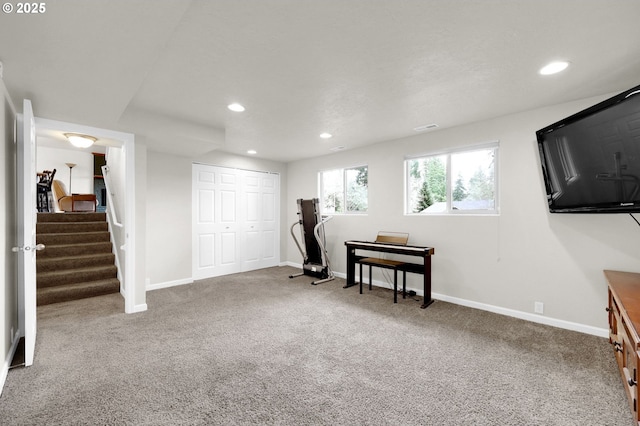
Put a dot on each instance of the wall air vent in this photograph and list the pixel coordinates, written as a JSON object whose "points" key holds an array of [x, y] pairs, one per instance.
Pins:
{"points": [[425, 127]]}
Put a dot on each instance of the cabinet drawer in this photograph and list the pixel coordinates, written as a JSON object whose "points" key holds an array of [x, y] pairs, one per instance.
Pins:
{"points": [[614, 318]]}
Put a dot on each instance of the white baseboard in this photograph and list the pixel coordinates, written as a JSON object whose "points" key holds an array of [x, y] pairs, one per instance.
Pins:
{"points": [[540, 319], [167, 284], [139, 308], [554, 322], [7, 362]]}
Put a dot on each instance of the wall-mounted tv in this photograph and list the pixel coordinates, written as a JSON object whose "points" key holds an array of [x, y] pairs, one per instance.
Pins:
{"points": [[591, 160]]}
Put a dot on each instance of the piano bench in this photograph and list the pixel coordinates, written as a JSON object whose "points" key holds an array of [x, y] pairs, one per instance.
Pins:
{"points": [[386, 264]]}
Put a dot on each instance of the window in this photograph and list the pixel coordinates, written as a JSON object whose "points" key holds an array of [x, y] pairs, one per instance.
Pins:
{"points": [[455, 182], [344, 191]]}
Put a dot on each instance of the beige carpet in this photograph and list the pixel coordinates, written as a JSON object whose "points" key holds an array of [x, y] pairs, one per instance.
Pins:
{"points": [[259, 348]]}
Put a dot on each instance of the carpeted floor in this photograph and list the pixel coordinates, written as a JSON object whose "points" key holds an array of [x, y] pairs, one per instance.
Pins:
{"points": [[259, 348]]}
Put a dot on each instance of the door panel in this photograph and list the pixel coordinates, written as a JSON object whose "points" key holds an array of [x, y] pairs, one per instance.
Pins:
{"points": [[228, 178], [268, 207], [228, 206], [269, 246], [253, 211], [206, 205], [206, 245], [252, 250], [228, 248]]}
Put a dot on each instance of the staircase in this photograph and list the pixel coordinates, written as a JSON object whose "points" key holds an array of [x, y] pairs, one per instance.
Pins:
{"points": [[78, 261]]}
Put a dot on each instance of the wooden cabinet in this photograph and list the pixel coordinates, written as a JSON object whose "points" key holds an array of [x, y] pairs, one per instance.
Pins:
{"points": [[624, 323]]}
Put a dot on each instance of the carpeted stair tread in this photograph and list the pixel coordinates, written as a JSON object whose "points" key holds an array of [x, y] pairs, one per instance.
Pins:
{"points": [[70, 227], [63, 250], [73, 262], [78, 259], [72, 217], [76, 238], [55, 278], [64, 293]]}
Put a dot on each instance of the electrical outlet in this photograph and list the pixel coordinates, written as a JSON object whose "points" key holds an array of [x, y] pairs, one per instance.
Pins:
{"points": [[538, 307]]}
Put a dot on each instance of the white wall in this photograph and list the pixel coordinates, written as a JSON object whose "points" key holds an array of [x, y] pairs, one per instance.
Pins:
{"points": [[168, 211], [55, 158], [168, 218], [140, 296], [509, 261], [8, 234]]}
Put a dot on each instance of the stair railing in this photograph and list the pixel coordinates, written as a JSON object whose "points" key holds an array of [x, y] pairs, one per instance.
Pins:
{"points": [[112, 220], [110, 204]]}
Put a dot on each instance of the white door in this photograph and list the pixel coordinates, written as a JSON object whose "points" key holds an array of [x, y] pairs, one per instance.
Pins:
{"points": [[260, 230], [215, 222], [26, 249], [235, 220]]}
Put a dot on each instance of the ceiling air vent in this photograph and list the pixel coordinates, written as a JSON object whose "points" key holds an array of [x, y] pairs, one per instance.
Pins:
{"points": [[425, 127]]}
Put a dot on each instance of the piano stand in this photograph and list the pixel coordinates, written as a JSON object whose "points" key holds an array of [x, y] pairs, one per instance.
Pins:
{"points": [[419, 251], [424, 305]]}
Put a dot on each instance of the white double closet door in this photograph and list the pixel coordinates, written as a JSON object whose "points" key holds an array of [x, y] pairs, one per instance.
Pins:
{"points": [[236, 225]]}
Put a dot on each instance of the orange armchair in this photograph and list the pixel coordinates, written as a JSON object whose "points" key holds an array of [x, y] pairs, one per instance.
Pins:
{"points": [[72, 202]]}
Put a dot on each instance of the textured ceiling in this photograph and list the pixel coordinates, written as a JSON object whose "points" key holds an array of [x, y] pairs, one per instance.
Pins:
{"points": [[365, 71]]}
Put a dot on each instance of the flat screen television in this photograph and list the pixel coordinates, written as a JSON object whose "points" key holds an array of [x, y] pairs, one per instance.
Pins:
{"points": [[591, 160]]}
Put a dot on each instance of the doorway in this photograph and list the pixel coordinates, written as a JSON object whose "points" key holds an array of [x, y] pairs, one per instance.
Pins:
{"points": [[122, 149]]}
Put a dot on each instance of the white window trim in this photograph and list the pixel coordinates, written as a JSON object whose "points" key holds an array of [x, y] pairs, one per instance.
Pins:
{"points": [[449, 211], [344, 186]]}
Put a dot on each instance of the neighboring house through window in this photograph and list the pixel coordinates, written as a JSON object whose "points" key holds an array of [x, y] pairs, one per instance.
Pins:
{"points": [[455, 182]]}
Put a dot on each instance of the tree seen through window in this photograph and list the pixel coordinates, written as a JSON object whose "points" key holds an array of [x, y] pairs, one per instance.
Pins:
{"points": [[462, 181]]}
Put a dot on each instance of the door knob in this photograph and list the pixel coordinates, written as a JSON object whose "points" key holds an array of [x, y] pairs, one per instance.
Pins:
{"points": [[37, 247]]}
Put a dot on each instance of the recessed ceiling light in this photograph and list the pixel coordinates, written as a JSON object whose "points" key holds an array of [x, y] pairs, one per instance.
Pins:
{"points": [[236, 107], [554, 67], [252, 152], [325, 135]]}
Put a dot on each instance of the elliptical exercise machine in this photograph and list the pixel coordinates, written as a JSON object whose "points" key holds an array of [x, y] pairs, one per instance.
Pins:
{"points": [[315, 258]]}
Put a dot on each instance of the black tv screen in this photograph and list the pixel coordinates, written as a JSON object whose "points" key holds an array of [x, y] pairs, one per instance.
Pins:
{"points": [[591, 160]]}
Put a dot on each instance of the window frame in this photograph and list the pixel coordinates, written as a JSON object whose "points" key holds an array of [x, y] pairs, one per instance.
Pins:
{"points": [[449, 182], [343, 170]]}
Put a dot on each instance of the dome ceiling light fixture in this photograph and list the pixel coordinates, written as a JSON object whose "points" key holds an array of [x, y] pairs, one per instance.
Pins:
{"points": [[325, 135], [79, 140]]}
